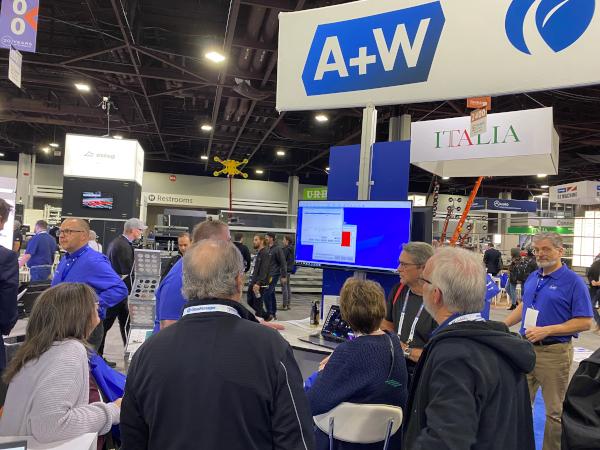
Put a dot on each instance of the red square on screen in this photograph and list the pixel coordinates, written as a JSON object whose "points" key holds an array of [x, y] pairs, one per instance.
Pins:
{"points": [[345, 239]]}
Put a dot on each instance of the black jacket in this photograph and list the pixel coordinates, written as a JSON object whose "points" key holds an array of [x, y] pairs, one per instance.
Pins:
{"points": [[277, 264], [169, 265], [492, 259], [290, 260], [245, 254], [581, 414], [470, 391], [260, 272], [120, 254], [215, 381], [9, 285]]}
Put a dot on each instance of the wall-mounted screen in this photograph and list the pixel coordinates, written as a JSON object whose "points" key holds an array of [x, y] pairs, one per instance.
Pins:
{"points": [[361, 235], [97, 200]]}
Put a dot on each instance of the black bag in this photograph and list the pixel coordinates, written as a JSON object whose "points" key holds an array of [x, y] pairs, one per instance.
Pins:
{"points": [[581, 409]]}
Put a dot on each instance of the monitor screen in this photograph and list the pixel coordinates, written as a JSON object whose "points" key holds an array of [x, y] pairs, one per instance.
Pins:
{"points": [[362, 235], [336, 326], [97, 200]]}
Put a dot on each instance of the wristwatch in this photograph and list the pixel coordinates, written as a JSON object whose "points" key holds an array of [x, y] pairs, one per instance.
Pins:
{"points": [[407, 352]]}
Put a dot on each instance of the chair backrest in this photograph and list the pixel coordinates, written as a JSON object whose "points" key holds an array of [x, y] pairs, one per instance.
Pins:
{"points": [[360, 424]]}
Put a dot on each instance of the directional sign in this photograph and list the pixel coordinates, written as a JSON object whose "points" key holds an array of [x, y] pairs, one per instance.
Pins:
{"points": [[407, 51], [15, 61]]}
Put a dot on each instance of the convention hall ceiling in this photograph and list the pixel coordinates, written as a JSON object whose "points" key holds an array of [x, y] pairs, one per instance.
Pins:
{"points": [[148, 57]]}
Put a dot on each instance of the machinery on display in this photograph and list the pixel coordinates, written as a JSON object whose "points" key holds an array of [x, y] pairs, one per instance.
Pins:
{"points": [[463, 217], [165, 237], [142, 300]]}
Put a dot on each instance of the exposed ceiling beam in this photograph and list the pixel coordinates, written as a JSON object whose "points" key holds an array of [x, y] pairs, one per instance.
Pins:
{"points": [[91, 55]]}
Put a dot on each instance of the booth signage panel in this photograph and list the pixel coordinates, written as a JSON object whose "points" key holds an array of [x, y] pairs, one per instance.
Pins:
{"points": [[510, 206], [580, 193], [405, 51], [103, 158], [15, 63], [534, 230], [18, 24], [156, 198], [515, 143], [314, 193]]}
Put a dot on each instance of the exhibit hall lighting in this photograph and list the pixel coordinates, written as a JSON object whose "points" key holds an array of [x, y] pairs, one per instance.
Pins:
{"points": [[117, 136], [280, 153], [1, 155], [259, 171], [215, 57], [54, 145], [206, 127], [46, 149], [327, 169], [321, 118], [544, 186], [204, 157], [445, 178], [82, 87], [541, 175]]}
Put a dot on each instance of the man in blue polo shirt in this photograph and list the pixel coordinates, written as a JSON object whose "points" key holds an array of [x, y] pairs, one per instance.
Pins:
{"points": [[81, 264], [169, 299], [39, 255], [556, 307]]}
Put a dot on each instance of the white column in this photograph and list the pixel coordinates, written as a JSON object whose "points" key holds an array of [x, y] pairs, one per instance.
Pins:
{"points": [[25, 172], [293, 193]]}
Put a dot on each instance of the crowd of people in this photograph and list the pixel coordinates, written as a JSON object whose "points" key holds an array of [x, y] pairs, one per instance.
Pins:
{"points": [[217, 375]]}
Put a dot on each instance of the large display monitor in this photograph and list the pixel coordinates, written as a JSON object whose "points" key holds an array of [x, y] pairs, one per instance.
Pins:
{"points": [[357, 235]]}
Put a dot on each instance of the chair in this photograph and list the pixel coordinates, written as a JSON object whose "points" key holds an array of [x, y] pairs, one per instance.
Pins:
{"points": [[360, 423]]}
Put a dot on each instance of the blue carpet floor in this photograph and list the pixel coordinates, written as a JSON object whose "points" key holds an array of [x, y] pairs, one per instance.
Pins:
{"points": [[539, 420]]}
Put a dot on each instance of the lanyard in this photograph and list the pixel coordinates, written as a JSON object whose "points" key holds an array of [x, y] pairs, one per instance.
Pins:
{"points": [[542, 282], [68, 268], [413, 327], [201, 309], [475, 317]]}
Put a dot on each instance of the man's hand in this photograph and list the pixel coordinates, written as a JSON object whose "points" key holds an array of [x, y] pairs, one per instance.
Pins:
{"points": [[274, 325], [536, 334], [404, 346], [595, 283]]}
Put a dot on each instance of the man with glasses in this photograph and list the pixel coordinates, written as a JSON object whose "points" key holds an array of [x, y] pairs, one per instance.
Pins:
{"points": [[81, 264], [556, 307], [406, 315], [469, 389]]}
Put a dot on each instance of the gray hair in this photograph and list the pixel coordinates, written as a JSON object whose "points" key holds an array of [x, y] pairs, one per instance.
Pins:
{"points": [[210, 269], [420, 251], [460, 275], [553, 237], [93, 235]]}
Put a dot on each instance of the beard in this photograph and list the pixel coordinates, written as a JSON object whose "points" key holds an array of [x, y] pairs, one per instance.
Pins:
{"points": [[544, 264]]}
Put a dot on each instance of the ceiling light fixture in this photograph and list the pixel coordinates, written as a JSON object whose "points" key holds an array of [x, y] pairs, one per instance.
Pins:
{"points": [[117, 136], [206, 127], [259, 171], [204, 157], [327, 169], [54, 145], [215, 57], [46, 149], [280, 153], [544, 186], [82, 87], [545, 194], [2, 155], [445, 178], [321, 118], [541, 175]]}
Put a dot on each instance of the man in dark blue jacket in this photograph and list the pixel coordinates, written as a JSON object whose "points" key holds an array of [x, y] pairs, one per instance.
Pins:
{"points": [[81, 264], [39, 255], [9, 284]]}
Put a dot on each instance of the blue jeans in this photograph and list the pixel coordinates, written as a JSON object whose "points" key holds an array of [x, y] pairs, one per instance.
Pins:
{"points": [[40, 273], [511, 290], [269, 296]]}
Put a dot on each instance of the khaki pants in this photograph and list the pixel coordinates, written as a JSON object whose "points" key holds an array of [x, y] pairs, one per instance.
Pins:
{"points": [[551, 372]]}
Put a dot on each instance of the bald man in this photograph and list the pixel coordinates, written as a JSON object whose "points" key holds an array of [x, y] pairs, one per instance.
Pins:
{"points": [[81, 264]]}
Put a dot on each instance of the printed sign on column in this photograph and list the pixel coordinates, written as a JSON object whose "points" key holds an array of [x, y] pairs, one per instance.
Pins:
{"points": [[18, 24], [478, 121], [15, 59], [479, 102]]}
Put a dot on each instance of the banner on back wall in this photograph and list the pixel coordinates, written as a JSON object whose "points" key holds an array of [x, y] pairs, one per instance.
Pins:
{"points": [[515, 143], [405, 51], [18, 24]]}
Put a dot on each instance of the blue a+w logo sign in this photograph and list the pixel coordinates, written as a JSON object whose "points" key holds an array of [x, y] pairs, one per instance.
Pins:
{"points": [[378, 51]]}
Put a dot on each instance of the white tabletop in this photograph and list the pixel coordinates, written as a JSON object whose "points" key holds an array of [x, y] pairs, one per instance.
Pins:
{"points": [[295, 329], [84, 442]]}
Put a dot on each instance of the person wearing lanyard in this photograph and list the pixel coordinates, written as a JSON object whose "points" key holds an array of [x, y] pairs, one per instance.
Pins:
{"points": [[472, 371], [405, 314], [81, 264], [215, 379], [556, 307]]}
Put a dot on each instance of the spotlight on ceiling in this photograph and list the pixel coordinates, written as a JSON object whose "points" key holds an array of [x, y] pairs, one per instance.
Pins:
{"points": [[445, 178], [280, 153], [46, 149], [327, 169], [117, 136], [321, 118], [259, 171], [215, 57], [82, 87], [54, 145], [2, 155], [206, 127], [541, 175], [544, 186], [204, 157]]}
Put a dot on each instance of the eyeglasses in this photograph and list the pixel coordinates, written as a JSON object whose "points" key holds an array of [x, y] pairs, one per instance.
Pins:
{"points": [[425, 280], [539, 251], [405, 264], [68, 232]]}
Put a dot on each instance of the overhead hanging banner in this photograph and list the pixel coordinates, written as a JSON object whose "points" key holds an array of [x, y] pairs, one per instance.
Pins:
{"points": [[18, 24], [580, 193], [498, 205], [515, 143], [409, 51]]}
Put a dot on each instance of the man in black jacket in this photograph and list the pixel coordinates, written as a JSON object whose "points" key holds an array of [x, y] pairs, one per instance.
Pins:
{"points": [[290, 261], [9, 284], [215, 379], [260, 279], [277, 272], [120, 254], [492, 259], [471, 372], [183, 243], [239, 243]]}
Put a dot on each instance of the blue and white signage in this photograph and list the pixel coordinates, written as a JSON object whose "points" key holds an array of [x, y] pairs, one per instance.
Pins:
{"points": [[406, 51], [510, 206]]}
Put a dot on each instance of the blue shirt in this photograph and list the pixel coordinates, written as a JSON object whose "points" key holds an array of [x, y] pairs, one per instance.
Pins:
{"points": [[491, 290], [94, 269], [41, 247], [559, 297], [169, 299]]}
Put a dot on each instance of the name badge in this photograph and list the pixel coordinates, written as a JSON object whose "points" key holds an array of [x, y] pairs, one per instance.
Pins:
{"points": [[531, 316]]}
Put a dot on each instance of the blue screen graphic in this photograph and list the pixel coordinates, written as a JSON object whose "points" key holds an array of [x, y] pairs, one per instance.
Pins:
{"points": [[352, 234]]}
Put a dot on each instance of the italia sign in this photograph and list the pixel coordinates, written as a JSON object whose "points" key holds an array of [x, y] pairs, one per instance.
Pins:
{"points": [[461, 138], [407, 51]]}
